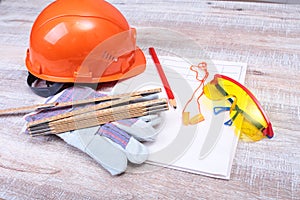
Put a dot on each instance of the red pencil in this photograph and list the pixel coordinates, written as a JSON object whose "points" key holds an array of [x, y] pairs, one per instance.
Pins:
{"points": [[163, 78]]}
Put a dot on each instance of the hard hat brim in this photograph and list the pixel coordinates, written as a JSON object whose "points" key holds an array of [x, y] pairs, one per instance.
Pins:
{"points": [[136, 68]]}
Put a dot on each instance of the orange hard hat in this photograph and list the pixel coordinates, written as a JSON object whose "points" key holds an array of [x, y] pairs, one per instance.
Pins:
{"points": [[84, 41]]}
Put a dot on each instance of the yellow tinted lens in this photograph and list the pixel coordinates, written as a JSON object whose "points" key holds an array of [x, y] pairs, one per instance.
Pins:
{"points": [[246, 116], [248, 131], [212, 92]]}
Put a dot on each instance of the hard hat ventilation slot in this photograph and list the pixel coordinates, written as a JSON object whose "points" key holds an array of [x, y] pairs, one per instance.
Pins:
{"points": [[109, 57]]}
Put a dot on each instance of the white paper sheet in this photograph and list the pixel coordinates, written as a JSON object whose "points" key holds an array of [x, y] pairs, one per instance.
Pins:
{"points": [[207, 148]]}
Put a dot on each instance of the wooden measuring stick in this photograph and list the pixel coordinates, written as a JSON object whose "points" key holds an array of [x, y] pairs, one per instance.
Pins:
{"points": [[109, 116], [99, 117], [74, 125], [111, 113], [108, 113], [57, 130], [105, 112], [84, 110], [79, 102]]}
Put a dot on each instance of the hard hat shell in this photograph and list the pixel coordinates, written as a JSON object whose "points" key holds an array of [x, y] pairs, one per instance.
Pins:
{"points": [[83, 41]]}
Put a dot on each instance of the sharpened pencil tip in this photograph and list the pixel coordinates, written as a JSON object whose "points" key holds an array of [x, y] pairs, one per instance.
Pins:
{"points": [[172, 102]]}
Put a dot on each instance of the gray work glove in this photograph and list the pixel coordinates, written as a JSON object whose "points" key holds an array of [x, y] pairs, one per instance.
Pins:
{"points": [[111, 144]]}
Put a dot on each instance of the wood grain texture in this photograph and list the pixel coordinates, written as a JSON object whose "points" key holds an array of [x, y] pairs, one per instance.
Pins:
{"points": [[266, 36]]}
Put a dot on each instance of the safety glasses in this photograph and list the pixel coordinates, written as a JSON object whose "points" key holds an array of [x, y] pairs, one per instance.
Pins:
{"points": [[246, 114]]}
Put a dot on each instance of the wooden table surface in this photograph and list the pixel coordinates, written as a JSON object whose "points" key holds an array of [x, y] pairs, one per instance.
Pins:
{"points": [[266, 36]]}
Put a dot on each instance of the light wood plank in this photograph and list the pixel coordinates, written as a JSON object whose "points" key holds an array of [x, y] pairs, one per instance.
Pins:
{"points": [[266, 36]]}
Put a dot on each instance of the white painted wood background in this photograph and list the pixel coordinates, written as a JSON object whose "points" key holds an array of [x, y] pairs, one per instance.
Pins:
{"points": [[266, 36]]}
